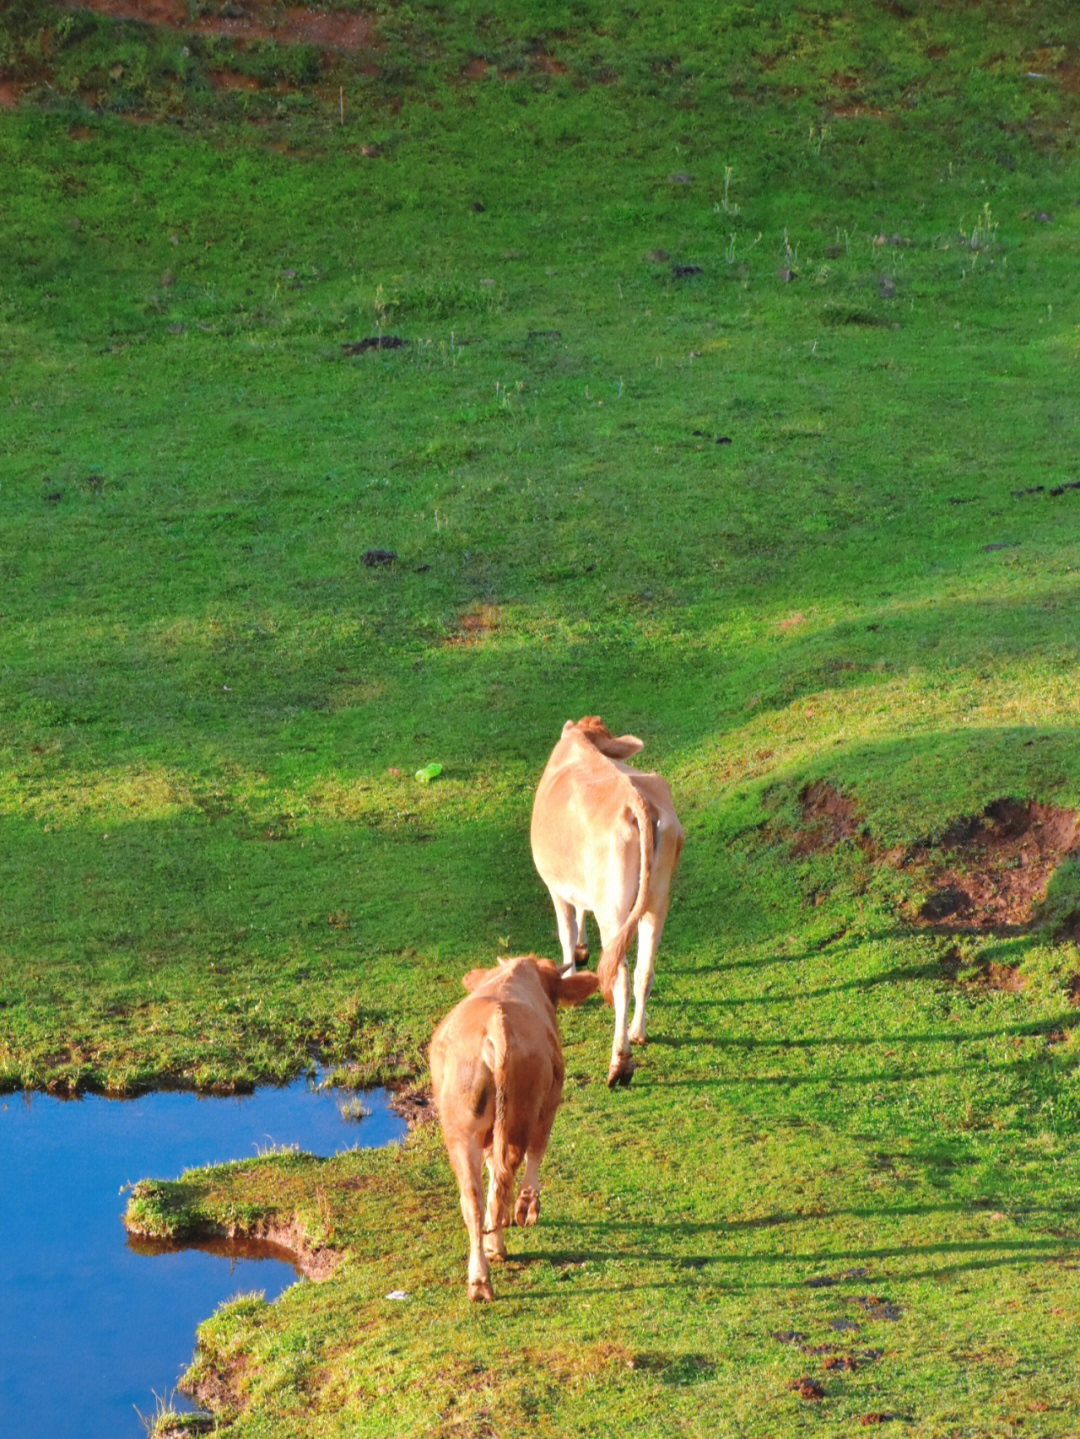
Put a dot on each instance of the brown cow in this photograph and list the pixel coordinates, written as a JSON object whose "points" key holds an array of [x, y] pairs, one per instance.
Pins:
{"points": [[606, 838], [497, 1073]]}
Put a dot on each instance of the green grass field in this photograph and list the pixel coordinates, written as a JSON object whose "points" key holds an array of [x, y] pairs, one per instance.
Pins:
{"points": [[737, 405]]}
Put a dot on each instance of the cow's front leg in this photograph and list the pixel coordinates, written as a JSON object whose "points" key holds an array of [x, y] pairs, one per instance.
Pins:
{"points": [[650, 928], [622, 1066]]}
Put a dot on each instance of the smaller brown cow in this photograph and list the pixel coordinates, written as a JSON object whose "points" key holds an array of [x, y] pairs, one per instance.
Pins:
{"points": [[497, 1073]]}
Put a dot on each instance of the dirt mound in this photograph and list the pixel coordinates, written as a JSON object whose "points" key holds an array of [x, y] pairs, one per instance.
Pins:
{"points": [[985, 872], [997, 865], [250, 20]]}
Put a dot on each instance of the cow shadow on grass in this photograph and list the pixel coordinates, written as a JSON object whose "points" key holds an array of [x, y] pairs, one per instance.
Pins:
{"points": [[944, 1259], [951, 1037]]}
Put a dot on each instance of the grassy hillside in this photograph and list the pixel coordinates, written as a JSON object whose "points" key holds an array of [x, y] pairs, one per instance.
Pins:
{"points": [[735, 404]]}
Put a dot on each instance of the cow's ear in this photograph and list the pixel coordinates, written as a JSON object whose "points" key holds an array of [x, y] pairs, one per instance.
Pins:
{"points": [[614, 746], [620, 746], [573, 988], [474, 977]]}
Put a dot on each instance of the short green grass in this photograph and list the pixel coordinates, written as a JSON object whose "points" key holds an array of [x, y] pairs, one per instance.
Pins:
{"points": [[216, 860]]}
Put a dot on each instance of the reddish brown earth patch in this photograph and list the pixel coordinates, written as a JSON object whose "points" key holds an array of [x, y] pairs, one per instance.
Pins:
{"points": [[546, 63], [1072, 989], [1004, 977], [1001, 863], [986, 873], [475, 69], [9, 95], [1044, 62], [807, 1388], [828, 817], [474, 624], [258, 20], [233, 80]]}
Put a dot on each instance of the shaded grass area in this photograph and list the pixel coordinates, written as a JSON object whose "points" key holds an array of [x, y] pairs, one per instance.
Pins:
{"points": [[735, 406]]}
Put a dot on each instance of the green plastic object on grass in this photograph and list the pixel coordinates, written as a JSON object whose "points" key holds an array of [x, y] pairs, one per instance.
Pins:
{"points": [[428, 772]]}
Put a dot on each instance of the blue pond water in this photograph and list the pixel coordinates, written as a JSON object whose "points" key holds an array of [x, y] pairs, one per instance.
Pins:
{"points": [[91, 1330]]}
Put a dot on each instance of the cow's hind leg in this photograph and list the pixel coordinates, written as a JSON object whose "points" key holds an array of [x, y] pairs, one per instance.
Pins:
{"points": [[465, 1159], [502, 1165], [566, 917], [650, 928], [581, 948], [622, 1066]]}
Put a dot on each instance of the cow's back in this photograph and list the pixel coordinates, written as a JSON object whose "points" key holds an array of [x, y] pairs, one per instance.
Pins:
{"points": [[578, 818]]}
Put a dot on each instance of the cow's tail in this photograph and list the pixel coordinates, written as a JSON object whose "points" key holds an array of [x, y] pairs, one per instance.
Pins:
{"points": [[614, 953], [494, 1053]]}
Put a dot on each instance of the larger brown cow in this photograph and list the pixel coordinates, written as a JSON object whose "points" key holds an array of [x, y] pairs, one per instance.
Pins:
{"points": [[497, 1073], [606, 838]]}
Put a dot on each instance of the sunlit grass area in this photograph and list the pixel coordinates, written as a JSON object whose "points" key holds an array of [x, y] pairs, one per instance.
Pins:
{"points": [[735, 404]]}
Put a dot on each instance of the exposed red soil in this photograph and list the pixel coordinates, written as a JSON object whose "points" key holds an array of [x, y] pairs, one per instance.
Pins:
{"points": [[987, 872], [1066, 71], [9, 95], [476, 68], [285, 1241], [1072, 989], [233, 80], [546, 63], [474, 624], [1000, 865], [1005, 977], [807, 1388], [828, 818], [258, 20]]}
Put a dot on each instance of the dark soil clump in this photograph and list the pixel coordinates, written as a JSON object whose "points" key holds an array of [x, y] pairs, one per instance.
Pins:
{"points": [[807, 1388]]}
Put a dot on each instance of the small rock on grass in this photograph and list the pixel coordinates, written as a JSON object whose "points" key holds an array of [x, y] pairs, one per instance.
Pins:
{"points": [[373, 342]]}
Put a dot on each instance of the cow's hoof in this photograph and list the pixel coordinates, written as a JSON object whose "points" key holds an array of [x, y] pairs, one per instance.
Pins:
{"points": [[480, 1289], [621, 1071], [638, 1039], [527, 1210], [581, 954]]}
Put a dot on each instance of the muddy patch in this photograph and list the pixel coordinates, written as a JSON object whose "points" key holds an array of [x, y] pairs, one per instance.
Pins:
{"points": [[415, 1106], [9, 95], [255, 20]]}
